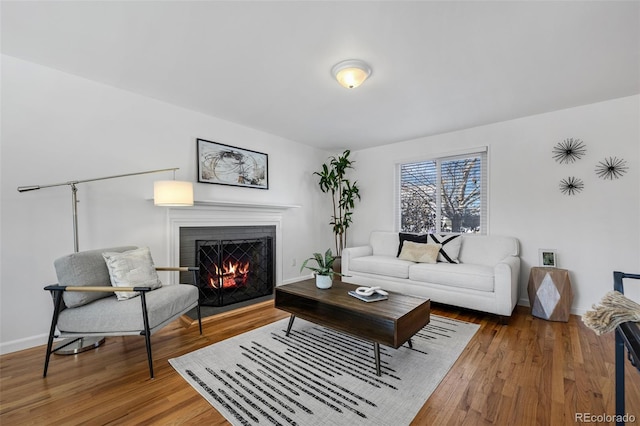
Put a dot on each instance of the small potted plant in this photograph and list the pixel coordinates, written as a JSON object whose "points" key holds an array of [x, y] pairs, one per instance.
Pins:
{"points": [[324, 271]]}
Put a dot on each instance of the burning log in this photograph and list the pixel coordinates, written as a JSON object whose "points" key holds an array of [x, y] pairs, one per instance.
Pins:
{"points": [[232, 275]]}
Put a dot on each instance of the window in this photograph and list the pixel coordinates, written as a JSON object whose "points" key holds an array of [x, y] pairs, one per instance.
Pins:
{"points": [[445, 194]]}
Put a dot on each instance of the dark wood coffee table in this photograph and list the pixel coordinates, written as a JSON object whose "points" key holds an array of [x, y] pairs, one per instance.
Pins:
{"points": [[390, 322]]}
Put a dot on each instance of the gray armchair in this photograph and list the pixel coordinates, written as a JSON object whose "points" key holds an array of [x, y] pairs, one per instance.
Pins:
{"points": [[627, 336], [86, 305]]}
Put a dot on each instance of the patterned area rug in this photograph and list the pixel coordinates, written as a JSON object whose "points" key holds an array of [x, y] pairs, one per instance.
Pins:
{"points": [[318, 376]]}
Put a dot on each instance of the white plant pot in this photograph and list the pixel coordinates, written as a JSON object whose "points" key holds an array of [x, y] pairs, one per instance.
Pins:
{"points": [[323, 281]]}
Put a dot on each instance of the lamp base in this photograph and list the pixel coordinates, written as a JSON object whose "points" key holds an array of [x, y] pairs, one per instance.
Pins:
{"points": [[80, 345]]}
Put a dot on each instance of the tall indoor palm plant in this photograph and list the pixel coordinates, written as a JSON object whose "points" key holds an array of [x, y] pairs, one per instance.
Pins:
{"points": [[343, 194]]}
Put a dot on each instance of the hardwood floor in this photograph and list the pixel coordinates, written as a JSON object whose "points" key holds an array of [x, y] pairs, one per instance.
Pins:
{"points": [[530, 372]]}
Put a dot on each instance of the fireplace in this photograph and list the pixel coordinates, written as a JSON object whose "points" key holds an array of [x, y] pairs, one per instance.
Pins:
{"points": [[236, 263], [233, 271]]}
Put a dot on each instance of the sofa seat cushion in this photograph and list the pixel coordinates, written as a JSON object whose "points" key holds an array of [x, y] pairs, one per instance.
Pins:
{"points": [[462, 275], [108, 315], [381, 265]]}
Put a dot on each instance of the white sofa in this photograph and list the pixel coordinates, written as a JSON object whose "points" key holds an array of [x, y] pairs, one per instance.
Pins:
{"points": [[486, 279]]}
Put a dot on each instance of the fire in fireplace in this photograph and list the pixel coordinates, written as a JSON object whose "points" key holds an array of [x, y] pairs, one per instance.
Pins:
{"points": [[233, 271], [231, 275]]}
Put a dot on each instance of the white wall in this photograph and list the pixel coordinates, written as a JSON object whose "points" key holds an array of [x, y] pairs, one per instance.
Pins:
{"points": [[57, 127], [594, 232]]}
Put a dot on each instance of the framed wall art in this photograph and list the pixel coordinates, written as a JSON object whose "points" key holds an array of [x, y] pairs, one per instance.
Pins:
{"points": [[228, 165], [547, 258]]}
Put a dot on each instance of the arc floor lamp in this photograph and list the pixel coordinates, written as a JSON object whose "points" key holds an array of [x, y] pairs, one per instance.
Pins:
{"points": [[165, 193]]}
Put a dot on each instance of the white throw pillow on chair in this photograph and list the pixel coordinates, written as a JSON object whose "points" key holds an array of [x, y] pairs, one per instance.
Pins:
{"points": [[133, 268]]}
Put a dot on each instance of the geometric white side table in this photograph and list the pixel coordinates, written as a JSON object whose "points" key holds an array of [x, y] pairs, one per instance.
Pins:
{"points": [[550, 293]]}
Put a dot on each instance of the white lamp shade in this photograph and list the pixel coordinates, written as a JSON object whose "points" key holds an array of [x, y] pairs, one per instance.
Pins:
{"points": [[172, 193]]}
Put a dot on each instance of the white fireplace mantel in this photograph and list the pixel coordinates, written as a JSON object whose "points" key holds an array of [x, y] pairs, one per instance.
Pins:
{"points": [[245, 205], [225, 213]]}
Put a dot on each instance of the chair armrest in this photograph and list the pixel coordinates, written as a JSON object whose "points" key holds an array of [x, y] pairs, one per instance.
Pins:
{"points": [[94, 288], [193, 269], [619, 276], [509, 265], [628, 331], [177, 268], [358, 251], [349, 253], [506, 274]]}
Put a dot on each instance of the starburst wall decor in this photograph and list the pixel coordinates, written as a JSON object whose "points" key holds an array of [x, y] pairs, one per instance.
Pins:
{"points": [[611, 168], [569, 150], [571, 185]]}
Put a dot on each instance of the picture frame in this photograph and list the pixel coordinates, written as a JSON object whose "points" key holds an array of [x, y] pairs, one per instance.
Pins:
{"points": [[222, 164], [547, 258]]}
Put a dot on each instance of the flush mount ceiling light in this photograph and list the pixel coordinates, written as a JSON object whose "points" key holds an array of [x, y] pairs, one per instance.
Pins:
{"points": [[351, 73]]}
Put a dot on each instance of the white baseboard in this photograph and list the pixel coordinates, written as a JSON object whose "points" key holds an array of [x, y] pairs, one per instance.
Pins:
{"points": [[574, 310], [296, 279], [24, 343], [524, 302]]}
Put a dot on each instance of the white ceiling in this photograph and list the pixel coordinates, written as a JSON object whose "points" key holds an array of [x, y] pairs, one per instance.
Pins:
{"points": [[437, 66]]}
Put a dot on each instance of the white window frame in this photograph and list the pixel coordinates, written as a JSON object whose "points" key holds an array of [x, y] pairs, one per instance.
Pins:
{"points": [[483, 152]]}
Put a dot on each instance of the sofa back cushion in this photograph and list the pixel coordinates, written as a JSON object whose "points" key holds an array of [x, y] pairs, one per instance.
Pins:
{"points": [[86, 268], [487, 249], [384, 243], [475, 249]]}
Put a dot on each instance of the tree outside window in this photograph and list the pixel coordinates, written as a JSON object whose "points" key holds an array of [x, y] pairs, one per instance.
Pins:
{"points": [[443, 195]]}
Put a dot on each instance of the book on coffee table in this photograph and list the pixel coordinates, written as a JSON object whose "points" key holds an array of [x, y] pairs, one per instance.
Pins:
{"points": [[375, 297]]}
